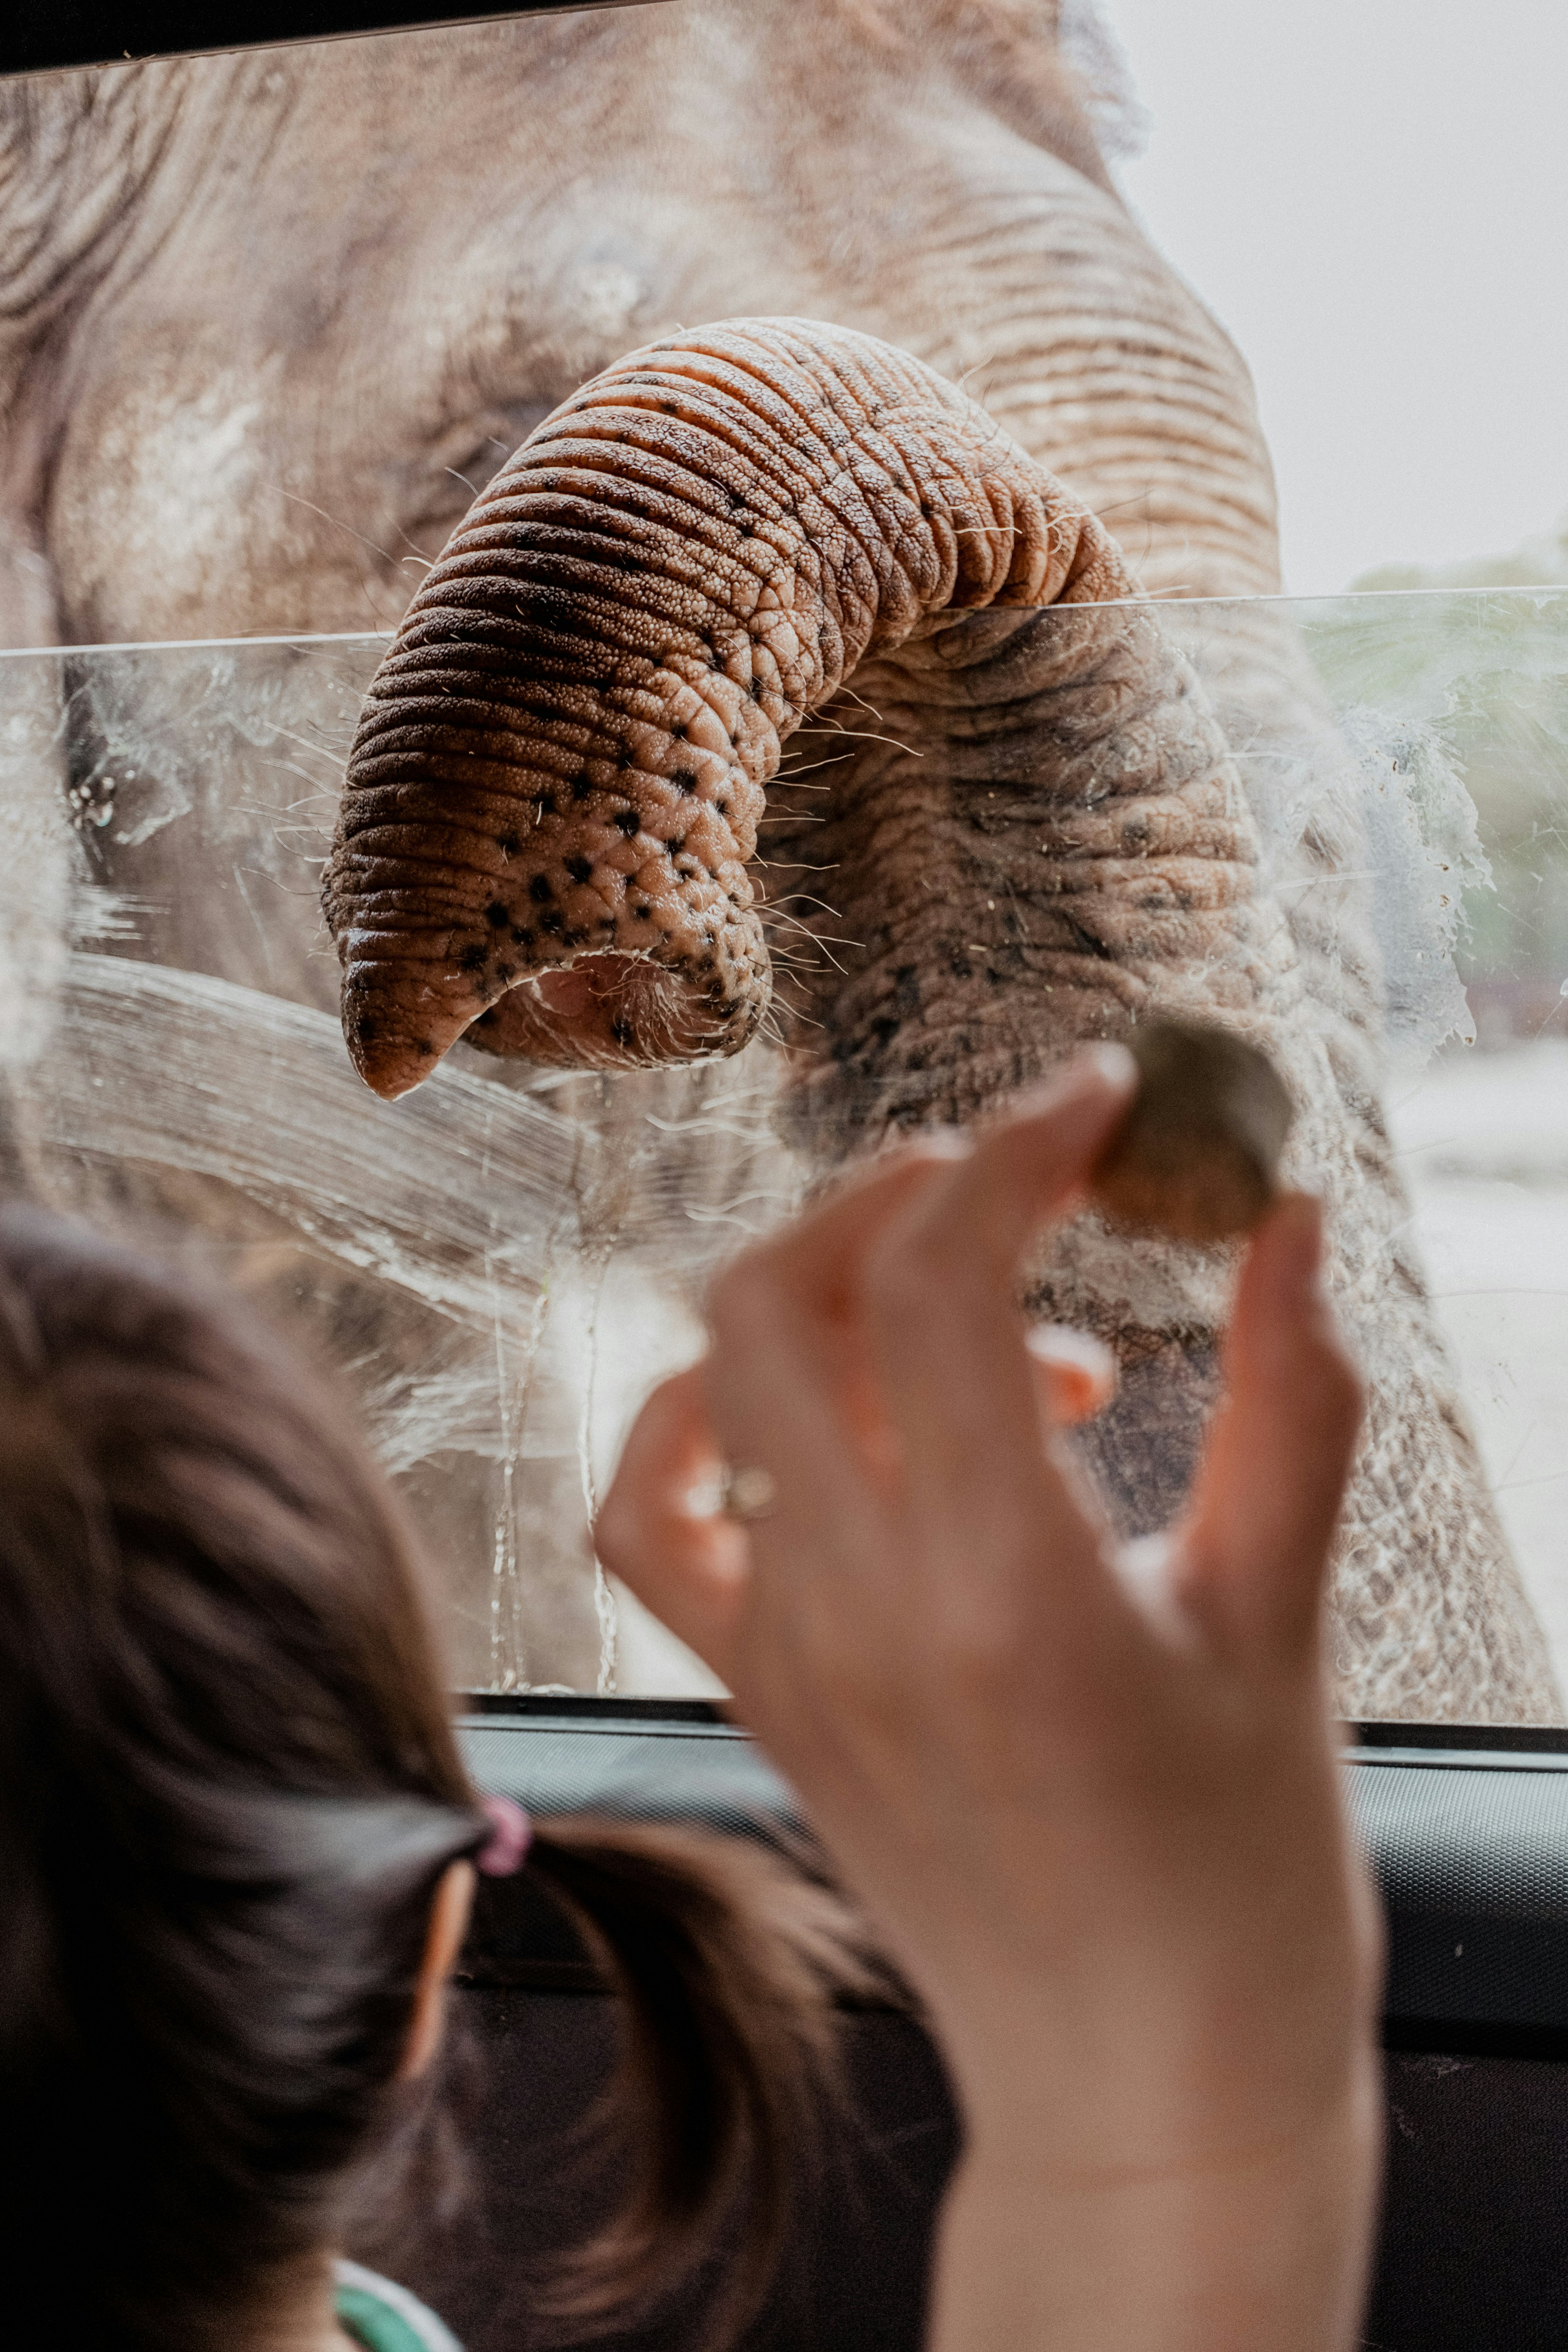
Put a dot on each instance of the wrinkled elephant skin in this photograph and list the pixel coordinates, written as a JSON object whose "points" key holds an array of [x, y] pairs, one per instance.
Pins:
{"points": [[563, 760]]}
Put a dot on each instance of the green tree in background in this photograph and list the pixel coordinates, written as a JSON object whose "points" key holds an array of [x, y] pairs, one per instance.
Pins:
{"points": [[1456, 677]]}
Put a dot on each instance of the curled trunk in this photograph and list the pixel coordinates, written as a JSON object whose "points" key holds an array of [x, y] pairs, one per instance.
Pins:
{"points": [[556, 785]]}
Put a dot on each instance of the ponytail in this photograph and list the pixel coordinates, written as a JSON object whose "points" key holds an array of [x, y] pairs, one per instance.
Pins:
{"points": [[731, 1961]]}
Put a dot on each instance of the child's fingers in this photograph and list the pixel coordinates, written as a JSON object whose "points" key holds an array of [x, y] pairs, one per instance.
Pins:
{"points": [[1274, 1473], [930, 1236], [812, 1266], [787, 1379], [797, 1383], [686, 1563], [944, 1270], [940, 1290], [1035, 1155]]}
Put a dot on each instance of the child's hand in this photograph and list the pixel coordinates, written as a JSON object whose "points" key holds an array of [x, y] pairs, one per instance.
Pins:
{"points": [[1089, 1799]]}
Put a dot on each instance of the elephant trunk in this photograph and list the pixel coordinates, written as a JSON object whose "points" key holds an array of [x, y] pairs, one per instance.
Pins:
{"points": [[555, 787], [1039, 836]]}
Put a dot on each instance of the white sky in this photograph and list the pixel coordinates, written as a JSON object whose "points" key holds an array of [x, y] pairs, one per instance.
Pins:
{"points": [[1373, 196]]}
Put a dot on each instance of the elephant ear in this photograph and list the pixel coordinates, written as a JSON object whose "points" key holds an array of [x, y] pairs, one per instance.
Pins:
{"points": [[557, 779]]}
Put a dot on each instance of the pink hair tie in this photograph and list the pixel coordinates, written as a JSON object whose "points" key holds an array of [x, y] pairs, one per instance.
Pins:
{"points": [[512, 1834]]}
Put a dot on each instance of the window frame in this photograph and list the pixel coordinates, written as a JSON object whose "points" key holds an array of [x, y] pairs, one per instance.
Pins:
{"points": [[1466, 1827]]}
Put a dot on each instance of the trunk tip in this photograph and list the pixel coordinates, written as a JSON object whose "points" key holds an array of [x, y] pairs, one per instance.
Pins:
{"points": [[602, 1010], [392, 1067], [394, 1047]]}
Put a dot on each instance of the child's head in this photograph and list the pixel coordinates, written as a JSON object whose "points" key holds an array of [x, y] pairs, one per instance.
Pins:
{"points": [[229, 1791]]}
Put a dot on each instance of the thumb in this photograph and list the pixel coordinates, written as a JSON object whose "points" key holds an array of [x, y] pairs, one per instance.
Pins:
{"points": [[1274, 1473]]}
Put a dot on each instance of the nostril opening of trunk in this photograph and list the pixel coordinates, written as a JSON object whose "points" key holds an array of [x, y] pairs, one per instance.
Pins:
{"points": [[604, 1010], [576, 993]]}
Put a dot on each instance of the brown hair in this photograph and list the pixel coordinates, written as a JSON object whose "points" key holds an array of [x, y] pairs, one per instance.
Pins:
{"points": [[228, 1786]]}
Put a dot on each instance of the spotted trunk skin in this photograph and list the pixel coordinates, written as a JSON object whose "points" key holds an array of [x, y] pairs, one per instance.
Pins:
{"points": [[556, 784]]}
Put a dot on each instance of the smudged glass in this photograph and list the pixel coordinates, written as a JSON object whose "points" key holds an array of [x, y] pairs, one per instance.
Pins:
{"points": [[500, 1264]]}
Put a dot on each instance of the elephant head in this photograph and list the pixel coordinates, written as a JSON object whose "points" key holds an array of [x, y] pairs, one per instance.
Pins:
{"points": [[554, 794]]}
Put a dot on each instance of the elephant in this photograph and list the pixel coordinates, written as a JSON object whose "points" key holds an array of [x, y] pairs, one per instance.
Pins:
{"points": [[274, 321]]}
